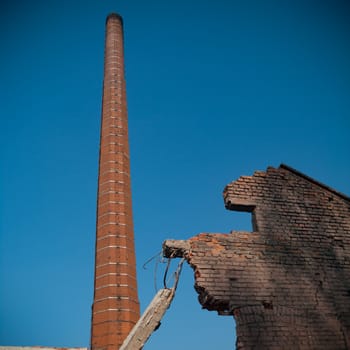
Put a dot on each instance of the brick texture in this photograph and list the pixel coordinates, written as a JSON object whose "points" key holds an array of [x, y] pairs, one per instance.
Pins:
{"points": [[116, 307], [287, 284]]}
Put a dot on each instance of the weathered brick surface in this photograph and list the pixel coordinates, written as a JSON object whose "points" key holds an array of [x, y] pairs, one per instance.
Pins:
{"points": [[116, 308], [287, 283]]}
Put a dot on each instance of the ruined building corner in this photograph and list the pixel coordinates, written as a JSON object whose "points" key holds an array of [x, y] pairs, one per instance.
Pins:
{"points": [[287, 284]]}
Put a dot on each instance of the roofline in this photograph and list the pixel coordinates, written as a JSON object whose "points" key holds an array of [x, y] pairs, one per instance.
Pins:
{"points": [[320, 184]]}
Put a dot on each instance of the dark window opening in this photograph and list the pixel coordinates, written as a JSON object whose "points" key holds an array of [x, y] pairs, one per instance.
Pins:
{"points": [[247, 221], [243, 221]]}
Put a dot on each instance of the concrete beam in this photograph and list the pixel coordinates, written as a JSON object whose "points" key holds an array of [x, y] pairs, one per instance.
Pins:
{"points": [[176, 248], [149, 321]]}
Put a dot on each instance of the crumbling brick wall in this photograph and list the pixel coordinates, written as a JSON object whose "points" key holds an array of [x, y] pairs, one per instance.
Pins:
{"points": [[287, 284]]}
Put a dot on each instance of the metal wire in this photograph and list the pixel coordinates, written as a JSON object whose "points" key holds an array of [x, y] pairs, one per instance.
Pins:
{"points": [[150, 259], [166, 273], [160, 259], [175, 275], [178, 272]]}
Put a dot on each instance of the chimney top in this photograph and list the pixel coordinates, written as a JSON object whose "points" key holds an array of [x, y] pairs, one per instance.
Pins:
{"points": [[114, 16]]}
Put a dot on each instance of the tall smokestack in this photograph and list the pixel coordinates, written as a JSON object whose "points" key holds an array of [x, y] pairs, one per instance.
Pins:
{"points": [[116, 307]]}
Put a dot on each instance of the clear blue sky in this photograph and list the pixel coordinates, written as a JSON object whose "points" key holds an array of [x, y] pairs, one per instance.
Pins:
{"points": [[216, 89]]}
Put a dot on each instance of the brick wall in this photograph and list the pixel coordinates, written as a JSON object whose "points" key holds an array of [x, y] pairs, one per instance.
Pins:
{"points": [[116, 308], [287, 284]]}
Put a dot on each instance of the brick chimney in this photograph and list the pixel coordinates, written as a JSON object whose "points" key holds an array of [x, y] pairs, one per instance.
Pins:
{"points": [[116, 307]]}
